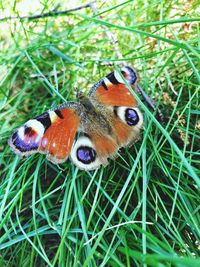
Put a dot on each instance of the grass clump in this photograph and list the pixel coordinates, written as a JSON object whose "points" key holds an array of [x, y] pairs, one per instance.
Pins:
{"points": [[143, 209]]}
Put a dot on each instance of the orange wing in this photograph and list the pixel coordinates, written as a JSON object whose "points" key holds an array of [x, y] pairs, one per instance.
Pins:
{"points": [[51, 133], [112, 91], [59, 137]]}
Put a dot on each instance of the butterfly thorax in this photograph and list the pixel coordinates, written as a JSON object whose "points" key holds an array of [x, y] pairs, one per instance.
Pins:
{"points": [[86, 103], [96, 117]]}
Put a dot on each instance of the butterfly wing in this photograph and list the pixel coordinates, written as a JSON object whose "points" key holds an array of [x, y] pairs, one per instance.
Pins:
{"points": [[91, 148], [51, 133], [112, 93], [87, 154]]}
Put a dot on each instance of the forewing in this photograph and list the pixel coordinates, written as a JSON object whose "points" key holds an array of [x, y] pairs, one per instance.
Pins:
{"points": [[112, 91], [51, 133]]}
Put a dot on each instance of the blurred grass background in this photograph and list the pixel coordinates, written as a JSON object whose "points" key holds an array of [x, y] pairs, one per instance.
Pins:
{"points": [[141, 210]]}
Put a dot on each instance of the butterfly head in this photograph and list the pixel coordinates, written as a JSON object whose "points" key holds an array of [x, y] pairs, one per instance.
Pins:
{"points": [[79, 94]]}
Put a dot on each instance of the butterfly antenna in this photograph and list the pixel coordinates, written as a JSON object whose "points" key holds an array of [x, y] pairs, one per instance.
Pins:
{"points": [[76, 91], [151, 104]]}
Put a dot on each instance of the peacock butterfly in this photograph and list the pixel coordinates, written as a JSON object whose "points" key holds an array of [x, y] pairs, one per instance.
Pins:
{"points": [[88, 131]]}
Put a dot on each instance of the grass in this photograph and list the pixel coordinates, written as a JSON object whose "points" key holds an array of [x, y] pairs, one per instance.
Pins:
{"points": [[143, 208]]}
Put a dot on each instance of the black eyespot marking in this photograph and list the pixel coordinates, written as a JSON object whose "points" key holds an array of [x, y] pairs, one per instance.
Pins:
{"points": [[131, 117], [44, 119], [85, 134], [80, 134], [22, 145], [27, 130], [58, 113], [112, 79], [104, 85], [115, 111], [86, 154]]}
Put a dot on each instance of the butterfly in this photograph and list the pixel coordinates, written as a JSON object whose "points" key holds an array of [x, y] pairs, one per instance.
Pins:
{"points": [[88, 131]]}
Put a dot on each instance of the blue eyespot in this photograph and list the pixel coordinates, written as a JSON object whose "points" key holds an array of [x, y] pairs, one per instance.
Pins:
{"points": [[86, 154], [131, 117], [24, 145], [132, 75]]}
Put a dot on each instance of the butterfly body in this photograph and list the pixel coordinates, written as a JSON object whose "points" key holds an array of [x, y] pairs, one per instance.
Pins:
{"points": [[88, 131]]}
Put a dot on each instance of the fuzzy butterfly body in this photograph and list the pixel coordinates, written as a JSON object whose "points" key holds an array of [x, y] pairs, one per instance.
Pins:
{"points": [[88, 131]]}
